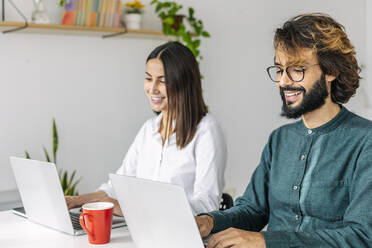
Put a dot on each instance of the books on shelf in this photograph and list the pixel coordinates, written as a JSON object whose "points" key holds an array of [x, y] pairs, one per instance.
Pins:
{"points": [[93, 13]]}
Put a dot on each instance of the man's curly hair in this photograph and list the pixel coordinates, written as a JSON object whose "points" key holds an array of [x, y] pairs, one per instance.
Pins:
{"points": [[328, 40]]}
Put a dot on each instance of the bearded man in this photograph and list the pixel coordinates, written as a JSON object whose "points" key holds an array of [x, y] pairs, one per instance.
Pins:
{"points": [[313, 185]]}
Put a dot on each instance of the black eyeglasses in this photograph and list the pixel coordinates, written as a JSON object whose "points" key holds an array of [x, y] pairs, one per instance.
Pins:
{"points": [[294, 72]]}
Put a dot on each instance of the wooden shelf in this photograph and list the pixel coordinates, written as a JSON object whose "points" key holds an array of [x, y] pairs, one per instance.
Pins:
{"points": [[80, 30]]}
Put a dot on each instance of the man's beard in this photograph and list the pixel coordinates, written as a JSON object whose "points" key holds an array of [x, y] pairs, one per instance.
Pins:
{"points": [[314, 99]]}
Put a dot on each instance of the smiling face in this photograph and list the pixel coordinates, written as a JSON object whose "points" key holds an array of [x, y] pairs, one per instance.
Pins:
{"points": [[308, 94], [154, 85]]}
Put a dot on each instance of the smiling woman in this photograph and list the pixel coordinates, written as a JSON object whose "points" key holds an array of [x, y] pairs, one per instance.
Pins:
{"points": [[180, 77], [154, 85], [183, 144]]}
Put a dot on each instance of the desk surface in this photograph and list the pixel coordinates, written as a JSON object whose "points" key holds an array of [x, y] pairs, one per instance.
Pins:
{"points": [[16, 231]]}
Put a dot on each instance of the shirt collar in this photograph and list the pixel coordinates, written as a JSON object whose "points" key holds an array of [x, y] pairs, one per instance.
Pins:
{"points": [[327, 127], [157, 122]]}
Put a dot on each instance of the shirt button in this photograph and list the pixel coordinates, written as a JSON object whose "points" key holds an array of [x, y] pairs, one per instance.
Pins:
{"points": [[297, 217], [295, 187], [303, 156], [309, 131]]}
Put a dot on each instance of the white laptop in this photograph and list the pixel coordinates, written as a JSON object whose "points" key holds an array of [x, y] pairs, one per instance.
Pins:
{"points": [[158, 214], [42, 197]]}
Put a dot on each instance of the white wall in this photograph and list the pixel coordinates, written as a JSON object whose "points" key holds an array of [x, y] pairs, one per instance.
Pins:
{"points": [[93, 87]]}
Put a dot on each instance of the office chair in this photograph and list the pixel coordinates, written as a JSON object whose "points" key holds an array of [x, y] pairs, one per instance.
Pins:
{"points": [[226, 201]]}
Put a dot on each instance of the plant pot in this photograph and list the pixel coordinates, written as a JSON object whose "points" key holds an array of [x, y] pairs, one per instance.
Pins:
{"points": [[133, 21], [39, 14], [178, 19]]}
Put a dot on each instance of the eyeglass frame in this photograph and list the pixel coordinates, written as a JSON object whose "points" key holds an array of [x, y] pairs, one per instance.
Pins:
{"points": [[304, 68]]}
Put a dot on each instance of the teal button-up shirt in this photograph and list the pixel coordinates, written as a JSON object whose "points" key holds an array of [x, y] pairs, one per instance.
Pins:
{"points": [[313, 187]]}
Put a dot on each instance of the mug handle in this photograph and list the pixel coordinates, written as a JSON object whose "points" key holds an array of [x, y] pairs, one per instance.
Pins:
{"points": [[82, 224]]}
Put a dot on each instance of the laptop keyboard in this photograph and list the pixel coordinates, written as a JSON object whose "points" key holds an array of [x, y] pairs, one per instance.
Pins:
{"points": [[74, 216], [75, 220]]}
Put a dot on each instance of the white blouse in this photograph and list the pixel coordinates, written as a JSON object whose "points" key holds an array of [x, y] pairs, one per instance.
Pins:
{"points": [[198, 168]]}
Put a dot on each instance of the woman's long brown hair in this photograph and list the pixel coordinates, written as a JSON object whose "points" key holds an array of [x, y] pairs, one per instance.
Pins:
{"points": [[183, 84]]}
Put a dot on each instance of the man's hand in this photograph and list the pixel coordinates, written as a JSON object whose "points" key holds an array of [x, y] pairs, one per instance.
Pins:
{"points": [[205, 224], [233, 237]]}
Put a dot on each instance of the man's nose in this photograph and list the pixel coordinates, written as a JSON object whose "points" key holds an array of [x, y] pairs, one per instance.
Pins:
{"points": [[285, 80]]}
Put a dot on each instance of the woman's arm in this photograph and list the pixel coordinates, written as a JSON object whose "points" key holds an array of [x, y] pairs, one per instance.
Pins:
{"points": [[79, 200], [210, 157]]}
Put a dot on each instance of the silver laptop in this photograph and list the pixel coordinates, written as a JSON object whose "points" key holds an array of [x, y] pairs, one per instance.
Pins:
{"points": [[158, 214], [42, 197]]}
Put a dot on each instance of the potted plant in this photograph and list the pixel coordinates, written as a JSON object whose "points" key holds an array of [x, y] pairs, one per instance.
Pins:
{"points": [[133, 14], [68, 183], [186, 28], [39, 14]]}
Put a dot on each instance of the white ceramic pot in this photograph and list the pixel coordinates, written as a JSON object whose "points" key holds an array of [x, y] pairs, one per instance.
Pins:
{"points": [[39, 14], [133, 21]]}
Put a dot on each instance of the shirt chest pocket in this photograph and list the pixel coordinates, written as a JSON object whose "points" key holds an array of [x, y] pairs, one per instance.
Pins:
{"points": [[328, 200]]}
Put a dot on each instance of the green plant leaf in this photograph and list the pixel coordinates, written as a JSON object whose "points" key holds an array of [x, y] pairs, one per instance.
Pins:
{"points": [[196, 43], [162, 15], [172, 12], [72, 176], [68, 184], [165, 30], [197, 52], [47, 157], [191, 47], [198, 30], [64, 181], [181, 30], [154, 1], [27, 155], [76, 183], [205, 34], [191, 14], [71, 191], [172, 31], [55, 140], [168, 20], [186, 36], [158, 8], [62, 3], [73, 187]]}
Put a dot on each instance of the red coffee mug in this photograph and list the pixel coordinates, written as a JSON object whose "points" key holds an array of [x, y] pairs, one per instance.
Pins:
{"points": [[96, 220]]}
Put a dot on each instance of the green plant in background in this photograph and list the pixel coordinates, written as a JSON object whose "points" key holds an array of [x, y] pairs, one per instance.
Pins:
{"points": [[67, 182], [188, 33], [62, 2]]}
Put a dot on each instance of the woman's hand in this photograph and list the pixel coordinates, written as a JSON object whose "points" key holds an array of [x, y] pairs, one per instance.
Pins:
{"points": [[117, 209], [79, 200], [73, 201]]}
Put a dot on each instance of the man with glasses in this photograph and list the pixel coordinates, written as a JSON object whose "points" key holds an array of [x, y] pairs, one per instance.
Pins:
{"points": [[313, 185]]}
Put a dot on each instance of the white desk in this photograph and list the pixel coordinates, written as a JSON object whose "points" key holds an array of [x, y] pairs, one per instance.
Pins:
{"points": [[18, 232]]}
